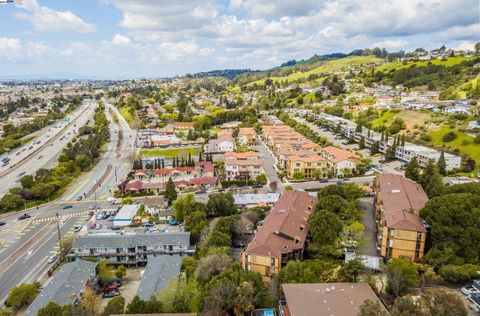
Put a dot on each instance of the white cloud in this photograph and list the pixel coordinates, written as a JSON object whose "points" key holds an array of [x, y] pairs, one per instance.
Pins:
{"points": [[45, 19], [466, 45], [391, 44], [120, 39], [10, 48], [468, 32]]}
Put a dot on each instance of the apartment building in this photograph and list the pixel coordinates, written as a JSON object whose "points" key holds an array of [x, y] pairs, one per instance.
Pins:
{"points": [[130, 248], [341, 161], [400, 231], [242, 166], [425, 154], [310, 166], [282, 237], [247, 136]]}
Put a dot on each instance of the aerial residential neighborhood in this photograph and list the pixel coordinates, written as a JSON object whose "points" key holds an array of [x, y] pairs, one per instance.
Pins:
{"points": [[240, 158]]}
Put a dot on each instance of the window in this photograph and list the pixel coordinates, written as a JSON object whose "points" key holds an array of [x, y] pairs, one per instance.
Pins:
{"points": [[302, 227], [272, 261], [297, 164]]}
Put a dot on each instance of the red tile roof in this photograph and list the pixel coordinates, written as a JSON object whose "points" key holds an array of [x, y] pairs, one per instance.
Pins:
{"points": [[282, 225], [402, 199]]}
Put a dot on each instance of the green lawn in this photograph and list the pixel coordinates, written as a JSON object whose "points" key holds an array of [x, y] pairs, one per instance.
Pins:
{"points": [[127, 114], [170, 153], [326, 67], [472, 149]]}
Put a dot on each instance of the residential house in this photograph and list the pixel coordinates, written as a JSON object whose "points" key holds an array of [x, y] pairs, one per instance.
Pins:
{"points": [[325, 299], [242, 166], [401, 233], [282, 237], [220, 145], [256, 199], [309, 166], [154, 204]]}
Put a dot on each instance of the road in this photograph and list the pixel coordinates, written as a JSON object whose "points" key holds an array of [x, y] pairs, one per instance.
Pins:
{"points": [[47, 151], [34, 244], [269, 162]]}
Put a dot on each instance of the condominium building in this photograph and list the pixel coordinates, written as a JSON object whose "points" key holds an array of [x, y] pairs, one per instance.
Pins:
{"points": [[425, 154], [341, 161], [282, 237], [130, 249], [242, 166], [401, 233], [309, 166], [247, 136]]}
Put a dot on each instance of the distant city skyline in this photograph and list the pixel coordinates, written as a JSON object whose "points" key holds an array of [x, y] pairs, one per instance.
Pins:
{"points": [[115, 39]]}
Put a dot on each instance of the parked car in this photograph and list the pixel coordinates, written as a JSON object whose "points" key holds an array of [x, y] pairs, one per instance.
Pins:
{"points": [[323, 180], [79, 198], [40, 157], [98, 226], [133, 225], [67, 206], [77, 229], [52, 259], [111, 294], [116, 228], [24, 216], [173, 222], [469, 289], [21, 174], [2, 223]]}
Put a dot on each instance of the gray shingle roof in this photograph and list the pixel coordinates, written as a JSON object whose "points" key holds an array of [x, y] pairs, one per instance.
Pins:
{"points": [[65, 286], [158, 273], [132, 240]]}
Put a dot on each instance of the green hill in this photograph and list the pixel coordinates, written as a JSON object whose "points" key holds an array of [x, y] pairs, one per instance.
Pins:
{"points": [[324, 68]]}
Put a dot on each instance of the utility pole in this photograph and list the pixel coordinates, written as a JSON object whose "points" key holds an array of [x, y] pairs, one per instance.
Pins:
{"points": [[116, 180], [59, 235]]}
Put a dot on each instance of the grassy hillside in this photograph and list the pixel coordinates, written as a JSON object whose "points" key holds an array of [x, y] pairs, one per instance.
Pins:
{"points": [[324, 68], [449, 62], [464, 143]]}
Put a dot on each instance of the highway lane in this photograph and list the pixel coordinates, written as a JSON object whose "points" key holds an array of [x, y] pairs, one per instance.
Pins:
{"points": [[44, 155], [96, 183], [40, 138], [28, 266]]}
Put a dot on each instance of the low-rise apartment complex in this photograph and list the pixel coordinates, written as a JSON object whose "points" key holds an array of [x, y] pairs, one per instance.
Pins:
{"points": [[247, 136], [401, 233], [282, 237], [308, 166]]}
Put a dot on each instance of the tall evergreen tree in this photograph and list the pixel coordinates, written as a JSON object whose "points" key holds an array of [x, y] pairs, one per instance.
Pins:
{"points": [[442, 165], [382, 139], [163, 163], [174, 162], [200, 158], [368, 133], [412, 171], [170, 192], [403, 139], [361, 143], [427, 173]]}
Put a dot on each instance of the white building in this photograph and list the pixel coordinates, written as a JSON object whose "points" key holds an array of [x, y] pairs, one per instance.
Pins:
{"points": [[424, 154], [220, 145], [125, 214]]}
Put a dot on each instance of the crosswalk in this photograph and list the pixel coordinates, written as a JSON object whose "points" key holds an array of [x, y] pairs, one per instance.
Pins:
{"points": [[66, 216], [80, 221], [99, 200]]}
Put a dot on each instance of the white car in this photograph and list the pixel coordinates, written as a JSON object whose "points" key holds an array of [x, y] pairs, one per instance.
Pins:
{"points": [[51, 259], [469, 289]]}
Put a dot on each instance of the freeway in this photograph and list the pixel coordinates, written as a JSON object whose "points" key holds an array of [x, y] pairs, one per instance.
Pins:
{"points": [[46, 152], [31, 248]]}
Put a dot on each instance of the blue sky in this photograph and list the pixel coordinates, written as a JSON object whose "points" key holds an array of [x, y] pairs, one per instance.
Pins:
{"points": [[157, 38]]}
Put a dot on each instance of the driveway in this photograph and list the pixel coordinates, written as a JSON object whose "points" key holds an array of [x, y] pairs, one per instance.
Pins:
{"points": [[268, 164], [368, 220]]}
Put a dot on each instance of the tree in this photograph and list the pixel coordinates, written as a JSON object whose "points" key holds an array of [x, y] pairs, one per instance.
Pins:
{"points": [[22, 294], [261, 179], [375, 148], [51, 309], [325, 228], [170, 191], [401, 275], [121, 271], [371, 308], [245, 299], [221, 204], [455, 222], [442, 303], [288, 187], [114, 306], [183, 206], [195, 223], [431, 180], [308, 271], [91, 302], [361, 143], [412, 170], [405, 305], [27, 181], [298, 175], [136, 306], [442, 165], [351, 270]]}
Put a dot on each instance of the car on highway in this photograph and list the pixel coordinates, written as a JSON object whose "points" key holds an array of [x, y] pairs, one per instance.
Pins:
{"points": [[24, 216], [40, 157], [63, 220], [30, 148], [2, 223], [323, 180], [77, 229], [67, 206], [18, 153], [98, 226], [21, 174], [79, 198]]}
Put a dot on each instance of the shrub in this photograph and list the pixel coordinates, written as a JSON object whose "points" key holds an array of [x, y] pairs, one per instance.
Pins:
{"points": [[448, 137], [459, 273]]}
